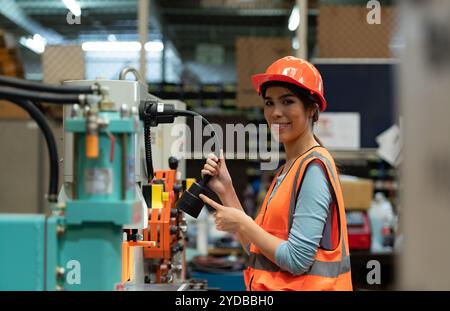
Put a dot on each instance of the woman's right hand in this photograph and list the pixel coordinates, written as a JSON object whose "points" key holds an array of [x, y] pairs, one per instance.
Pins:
{"points": [[220, 182]]}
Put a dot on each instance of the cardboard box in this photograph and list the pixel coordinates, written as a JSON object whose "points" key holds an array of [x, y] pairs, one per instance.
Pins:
{"points": [[357, 192], [11, 111], [2, 40], [254, 55], [61, 63], [10, 65], [343, 32]]}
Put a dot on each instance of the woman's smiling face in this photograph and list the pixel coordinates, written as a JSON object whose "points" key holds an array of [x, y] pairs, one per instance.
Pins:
{"points": [[285, 113]]}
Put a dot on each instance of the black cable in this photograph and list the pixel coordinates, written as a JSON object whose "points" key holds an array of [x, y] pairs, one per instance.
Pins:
{"points": [[36, 86], [153, 113], [39, 117], [148, 148], [11, 93], [188, 113]]}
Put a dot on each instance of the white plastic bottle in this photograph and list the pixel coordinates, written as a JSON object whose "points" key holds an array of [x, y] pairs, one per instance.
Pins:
{"points": [[382, 218]]}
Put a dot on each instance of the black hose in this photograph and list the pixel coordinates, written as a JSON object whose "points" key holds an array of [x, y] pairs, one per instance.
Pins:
{"points": [[148, 148], [39, 117], [36, 86], [187, 113], [11, 93]]}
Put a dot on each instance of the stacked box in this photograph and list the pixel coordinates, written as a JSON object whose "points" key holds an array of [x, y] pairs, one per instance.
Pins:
{"points": [[61, 63], [254, 55], [344, 32], [10, 65], [357, 193]]}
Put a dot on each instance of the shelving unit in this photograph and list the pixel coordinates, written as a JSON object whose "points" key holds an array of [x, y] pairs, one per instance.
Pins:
{"points": [[217, 104]]}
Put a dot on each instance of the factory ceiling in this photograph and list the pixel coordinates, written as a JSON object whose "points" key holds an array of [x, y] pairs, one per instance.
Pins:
{"points": [[184, 23]]}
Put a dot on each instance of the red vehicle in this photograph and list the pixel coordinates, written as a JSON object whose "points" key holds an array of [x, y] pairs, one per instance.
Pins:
{"points": [[358, 229]]}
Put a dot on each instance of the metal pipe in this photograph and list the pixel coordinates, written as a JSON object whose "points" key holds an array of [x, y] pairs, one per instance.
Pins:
{"points": [[123, 183], [74, 166], [143, 12], [302, 29]]}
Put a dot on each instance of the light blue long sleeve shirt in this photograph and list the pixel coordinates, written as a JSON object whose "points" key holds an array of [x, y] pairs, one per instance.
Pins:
{"points": [[297, 254]]}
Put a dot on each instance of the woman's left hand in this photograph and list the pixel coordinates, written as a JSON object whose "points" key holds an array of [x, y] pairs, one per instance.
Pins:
{"points": [[227, 219]]}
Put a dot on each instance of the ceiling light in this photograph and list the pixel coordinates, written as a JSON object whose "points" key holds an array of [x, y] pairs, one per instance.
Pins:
{"points": [[73, 7], [154, 46], [294, 19], [36, 43], [295, 43], [108, 46]]}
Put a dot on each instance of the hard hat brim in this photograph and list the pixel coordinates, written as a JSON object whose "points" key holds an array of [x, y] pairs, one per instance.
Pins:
{"points": [[259, 79]]}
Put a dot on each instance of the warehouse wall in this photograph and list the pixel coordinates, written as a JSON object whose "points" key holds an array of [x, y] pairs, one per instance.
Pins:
{"points": [[366, 88], [24, 166]]}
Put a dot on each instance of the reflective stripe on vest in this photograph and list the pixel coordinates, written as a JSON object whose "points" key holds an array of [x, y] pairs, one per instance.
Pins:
{"points": [[261, 262], [330, 269]]}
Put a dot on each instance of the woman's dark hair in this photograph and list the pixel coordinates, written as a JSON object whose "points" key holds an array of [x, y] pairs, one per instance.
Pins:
{"points": [[309, 100]]}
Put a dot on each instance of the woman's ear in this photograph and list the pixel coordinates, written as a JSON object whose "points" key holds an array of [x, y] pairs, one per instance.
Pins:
{"points": [[314, 113]]}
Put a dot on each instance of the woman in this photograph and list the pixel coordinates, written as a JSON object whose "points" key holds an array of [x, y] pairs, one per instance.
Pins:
{"points": [[299, 239]]}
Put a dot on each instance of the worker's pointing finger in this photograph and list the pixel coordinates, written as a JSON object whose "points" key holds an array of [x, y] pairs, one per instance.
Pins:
{"points": [[210, 202], [222, 158]]}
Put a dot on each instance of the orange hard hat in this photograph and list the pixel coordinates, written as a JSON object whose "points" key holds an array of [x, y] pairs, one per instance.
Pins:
{"points": [[295, 71]]}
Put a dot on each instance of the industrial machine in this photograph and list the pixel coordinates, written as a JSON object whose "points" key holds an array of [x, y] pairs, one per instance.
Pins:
{"points": [[115, 224]]}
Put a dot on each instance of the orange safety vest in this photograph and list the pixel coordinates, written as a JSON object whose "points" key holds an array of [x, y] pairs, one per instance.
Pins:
{"points": [[331, 268]]}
